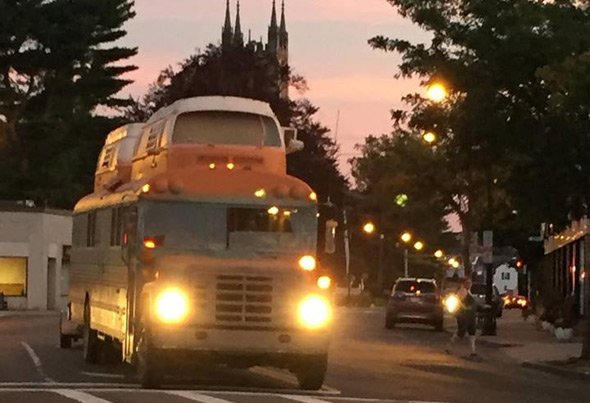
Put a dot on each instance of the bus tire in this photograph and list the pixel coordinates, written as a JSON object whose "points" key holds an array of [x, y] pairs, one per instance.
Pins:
{"points": [[311, 372], [150, 376], [92, 344]]}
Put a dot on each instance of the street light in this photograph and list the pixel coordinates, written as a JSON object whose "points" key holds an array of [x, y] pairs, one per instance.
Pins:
{"points": [[369, 228], [439, 254], [429, 137], [436, 92], [406, 237], [454, 263], [419, 245]]}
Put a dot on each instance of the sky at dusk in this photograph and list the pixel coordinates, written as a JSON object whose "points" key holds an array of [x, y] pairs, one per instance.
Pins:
{"points": [[328, 46]]}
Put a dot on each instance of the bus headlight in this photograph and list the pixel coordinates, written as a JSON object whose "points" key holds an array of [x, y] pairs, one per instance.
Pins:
{"points": [[172, 306], [314, 312], [452, 303]]}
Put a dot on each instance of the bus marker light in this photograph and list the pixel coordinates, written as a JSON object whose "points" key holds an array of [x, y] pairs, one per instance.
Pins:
{"points": [[146, 188], [149, 243], [274, 210], [260, 193], [212, 165], [230, 166], [307, 263], [313, 196], [324, 282]]}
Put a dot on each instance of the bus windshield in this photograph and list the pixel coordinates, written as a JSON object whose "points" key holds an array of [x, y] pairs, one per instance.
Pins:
{"points": [[226, 128], [238, 229]]}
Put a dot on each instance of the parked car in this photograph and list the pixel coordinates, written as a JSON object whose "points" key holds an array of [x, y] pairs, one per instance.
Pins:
{"points": [[478, 290], [415, 300]]}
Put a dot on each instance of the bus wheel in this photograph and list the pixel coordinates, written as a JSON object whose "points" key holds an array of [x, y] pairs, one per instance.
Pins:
{"points": [[311, 372], [147, 371], [92, 344]]}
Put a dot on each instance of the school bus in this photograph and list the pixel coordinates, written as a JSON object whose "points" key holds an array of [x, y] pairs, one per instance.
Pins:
{"points": [[196, 247]]}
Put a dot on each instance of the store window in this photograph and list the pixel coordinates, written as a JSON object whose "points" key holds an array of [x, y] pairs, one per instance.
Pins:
{"points": [[13, 276]]}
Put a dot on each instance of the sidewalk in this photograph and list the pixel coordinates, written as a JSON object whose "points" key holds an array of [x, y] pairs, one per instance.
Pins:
{"points": [[11, 314], [535, 348]]}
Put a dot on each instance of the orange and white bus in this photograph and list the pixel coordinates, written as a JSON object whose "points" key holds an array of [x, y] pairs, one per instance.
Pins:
{"points": [[197, 247]]}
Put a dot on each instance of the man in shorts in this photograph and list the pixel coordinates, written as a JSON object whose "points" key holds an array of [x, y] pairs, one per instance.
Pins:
{"points": [[466, 317]]}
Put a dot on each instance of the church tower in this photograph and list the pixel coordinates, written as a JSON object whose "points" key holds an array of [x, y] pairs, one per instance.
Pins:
{"points": [[238, 36], [227, 31], [283, 52], [273, 32]]}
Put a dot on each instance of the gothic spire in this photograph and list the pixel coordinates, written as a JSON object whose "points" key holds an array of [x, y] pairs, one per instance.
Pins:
{"points": [[227, 32], [273, 18], [238, 36], [283, 29]]}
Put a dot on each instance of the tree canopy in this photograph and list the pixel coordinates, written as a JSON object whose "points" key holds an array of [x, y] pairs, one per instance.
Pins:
{"points": [[513, 69], [58, 64]]}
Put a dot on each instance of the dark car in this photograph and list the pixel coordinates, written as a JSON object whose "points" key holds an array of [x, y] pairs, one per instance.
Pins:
{"points": [[478, 290], [415, 300]]}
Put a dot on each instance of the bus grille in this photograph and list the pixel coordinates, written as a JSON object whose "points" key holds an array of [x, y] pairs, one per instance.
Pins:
{"points": [[244, 300]]}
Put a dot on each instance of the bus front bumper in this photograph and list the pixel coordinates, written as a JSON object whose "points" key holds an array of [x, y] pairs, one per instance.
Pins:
{"points": [[239, 347]]}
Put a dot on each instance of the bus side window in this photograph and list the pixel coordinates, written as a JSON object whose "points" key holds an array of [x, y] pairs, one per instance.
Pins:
{"points": [[129, 241], [91, 229]]}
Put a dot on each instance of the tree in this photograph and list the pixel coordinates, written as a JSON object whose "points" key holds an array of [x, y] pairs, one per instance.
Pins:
{"points": [[57, 65], [495, 130]]}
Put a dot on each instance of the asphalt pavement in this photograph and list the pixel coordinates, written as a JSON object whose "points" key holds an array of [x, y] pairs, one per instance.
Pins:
{"points": [[367, 364]]}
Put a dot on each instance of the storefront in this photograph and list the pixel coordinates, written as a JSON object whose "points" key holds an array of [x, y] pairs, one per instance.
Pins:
{"points": [[567, 257], [34, 249]]}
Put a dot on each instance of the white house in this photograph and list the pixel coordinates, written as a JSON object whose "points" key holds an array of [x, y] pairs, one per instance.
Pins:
{"points": [[34, 248], [506, 279]]}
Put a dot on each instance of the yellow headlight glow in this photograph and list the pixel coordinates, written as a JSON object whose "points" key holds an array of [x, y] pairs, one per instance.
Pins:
{"points": [[172, 306], [314, 312], [307, 263], [452, 303]]}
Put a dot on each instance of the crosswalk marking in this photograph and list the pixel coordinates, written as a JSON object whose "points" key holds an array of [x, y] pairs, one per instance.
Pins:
{"points": [[196, 397], [303, 399], [79, 396]]}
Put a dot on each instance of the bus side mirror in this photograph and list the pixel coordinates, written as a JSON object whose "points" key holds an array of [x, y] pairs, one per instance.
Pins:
{"points": [[291, 143]]}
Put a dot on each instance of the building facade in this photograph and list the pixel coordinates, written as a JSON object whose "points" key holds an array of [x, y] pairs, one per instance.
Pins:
{"points": [[567, 263], [34, 254]]}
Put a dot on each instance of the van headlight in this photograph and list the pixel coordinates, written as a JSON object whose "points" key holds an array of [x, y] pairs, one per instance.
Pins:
{"points": [[314, 312], [452, 303], [172, 306]]}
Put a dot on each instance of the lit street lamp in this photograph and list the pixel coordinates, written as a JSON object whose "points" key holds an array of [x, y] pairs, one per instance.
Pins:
{"points": [[419, 245], [429, 137], [439, 254], [369, 228], [436, 92], [406, 237]]}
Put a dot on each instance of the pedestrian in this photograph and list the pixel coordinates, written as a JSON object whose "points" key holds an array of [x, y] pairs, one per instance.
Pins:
{"points": [[466, 317]]}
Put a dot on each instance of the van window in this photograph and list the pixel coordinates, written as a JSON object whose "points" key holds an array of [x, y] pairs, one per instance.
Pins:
{"points": [[227, 128]]}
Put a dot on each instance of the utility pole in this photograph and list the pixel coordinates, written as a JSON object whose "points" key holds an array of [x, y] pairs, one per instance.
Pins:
{"points": [[406, 269]]}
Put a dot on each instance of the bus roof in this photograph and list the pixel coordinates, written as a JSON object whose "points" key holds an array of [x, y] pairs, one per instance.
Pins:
{"points": [[214, 103]]}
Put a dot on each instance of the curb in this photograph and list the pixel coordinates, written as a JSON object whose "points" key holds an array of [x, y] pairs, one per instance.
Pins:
{"points": [[555, 370]]}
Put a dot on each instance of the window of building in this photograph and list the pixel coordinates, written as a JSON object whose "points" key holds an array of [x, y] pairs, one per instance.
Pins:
{"points": [[116, 226], [13, 276], [505, 276], [91, 230]]}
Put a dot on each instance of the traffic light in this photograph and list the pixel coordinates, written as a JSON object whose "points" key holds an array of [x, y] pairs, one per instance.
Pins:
{"points": [[519, 264]]}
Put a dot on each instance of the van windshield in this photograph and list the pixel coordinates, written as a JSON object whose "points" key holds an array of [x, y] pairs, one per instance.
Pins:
{"points": [[226, 128], [242, 230]]}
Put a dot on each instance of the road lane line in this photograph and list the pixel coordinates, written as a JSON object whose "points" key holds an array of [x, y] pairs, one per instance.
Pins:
{"points": [[36, 361], [196, 397], [78, 396]]}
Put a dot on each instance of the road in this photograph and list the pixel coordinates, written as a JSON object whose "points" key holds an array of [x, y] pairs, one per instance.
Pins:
{"points": [[407, 364]]}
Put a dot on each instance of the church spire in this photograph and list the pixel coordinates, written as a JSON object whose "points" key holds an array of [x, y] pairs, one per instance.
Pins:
{"points": [[227, 31], [283, 29], [273, 31], [238, 36]]}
